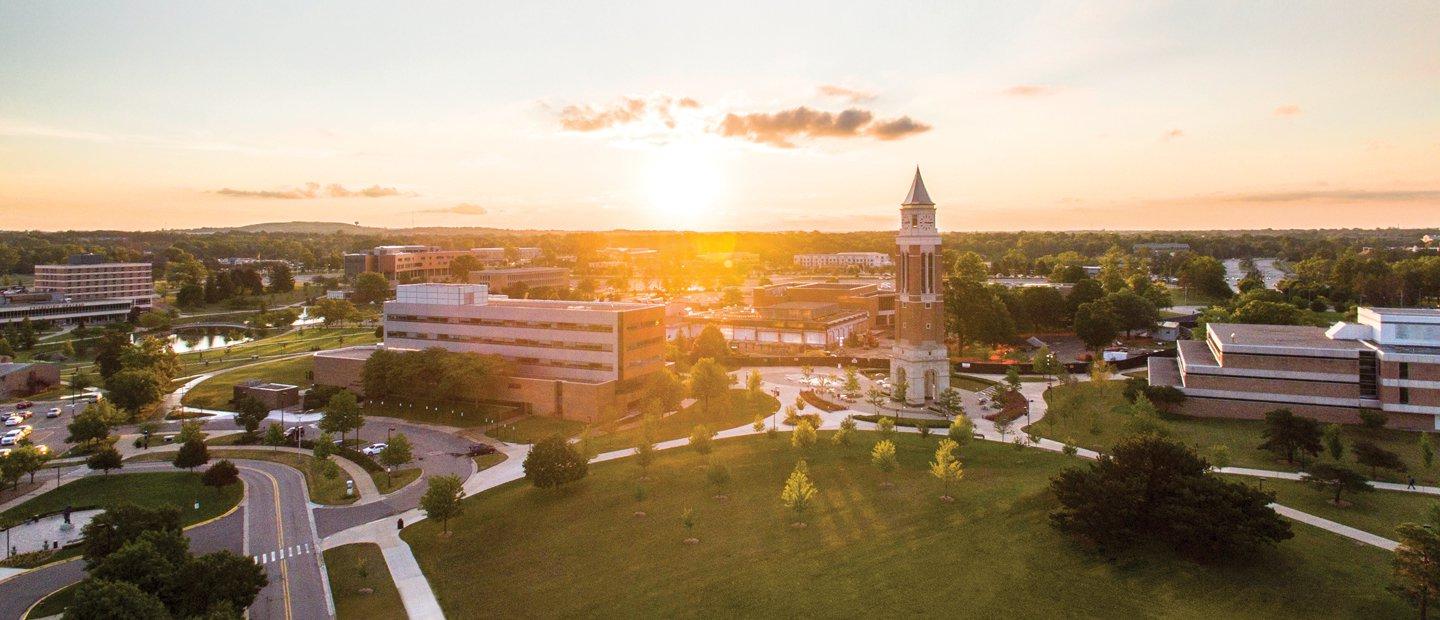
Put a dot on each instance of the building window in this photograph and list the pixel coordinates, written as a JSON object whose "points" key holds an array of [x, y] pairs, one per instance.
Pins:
{"points": [[1404, 396], [1404, 370]]}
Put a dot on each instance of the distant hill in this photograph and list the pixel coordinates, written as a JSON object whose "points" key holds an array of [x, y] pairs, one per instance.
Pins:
{"points": [[309, 228]]}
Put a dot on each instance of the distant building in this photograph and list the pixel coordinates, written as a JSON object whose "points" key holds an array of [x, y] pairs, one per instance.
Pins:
{"points": [[1389, 361], [272, 395], [571, 359], [1159, 248], [734, 260], [423, 263], [16, 306], [1167, 331], [82, 278], [531, 277], [788, 327], [878, 304], [25, 378], [841, 260]]}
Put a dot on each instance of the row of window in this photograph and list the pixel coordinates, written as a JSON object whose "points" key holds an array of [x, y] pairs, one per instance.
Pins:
{"points": [[577, 327], [513, 342]]}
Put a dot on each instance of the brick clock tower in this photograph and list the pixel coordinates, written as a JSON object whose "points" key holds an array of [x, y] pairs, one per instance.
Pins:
{"points": [[919, 358]]}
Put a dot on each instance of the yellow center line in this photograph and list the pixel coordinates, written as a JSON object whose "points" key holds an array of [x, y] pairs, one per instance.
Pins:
{"points": [[280, 539]]}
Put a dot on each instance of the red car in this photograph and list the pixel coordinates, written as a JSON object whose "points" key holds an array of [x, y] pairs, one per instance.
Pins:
{"points": [[24, 404]]}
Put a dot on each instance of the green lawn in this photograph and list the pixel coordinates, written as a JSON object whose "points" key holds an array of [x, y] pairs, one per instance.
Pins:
{"points": [[323, 489], [361, 584], [458, 415], [1377, 512], [298, 341], [741, 411], [532, 429], [1093, 416], [580, 551], [486, 461], [179, 489], [970, 383], [394, 481], [216, 392], [55, 603]]}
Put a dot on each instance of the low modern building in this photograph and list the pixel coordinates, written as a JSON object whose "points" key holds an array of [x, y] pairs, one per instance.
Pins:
{"points": [[272, 395], [423, 263], [531, 277], [1167, 248], [879, 304], [86, 277], [26, 378], [788, 327], [16, 306], [571, 359], [841, 260], [1388, 360]]}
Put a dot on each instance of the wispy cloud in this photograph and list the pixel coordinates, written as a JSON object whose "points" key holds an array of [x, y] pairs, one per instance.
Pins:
{"points": [[1288, 111], [28, 130], [1030, 90], [313, 190], [853, 95], [1173, 134], [627, 110], [464, 208]]}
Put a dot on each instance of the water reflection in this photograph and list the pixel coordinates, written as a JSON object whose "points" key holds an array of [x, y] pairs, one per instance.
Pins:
{"points": [[192, 341]]}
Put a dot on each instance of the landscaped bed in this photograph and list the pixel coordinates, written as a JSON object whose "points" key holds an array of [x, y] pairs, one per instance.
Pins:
{"points": [[361, 584], [990, 553]]}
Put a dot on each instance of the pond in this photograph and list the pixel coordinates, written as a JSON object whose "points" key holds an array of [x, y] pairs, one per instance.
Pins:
{"points": [[192, 341]]}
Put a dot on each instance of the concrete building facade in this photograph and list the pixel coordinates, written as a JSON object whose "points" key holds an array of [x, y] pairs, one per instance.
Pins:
{"points": [[920, 361], [82, 279], [422, 263], [1388, 360], [878, 304], [788, 327], [532, 277], [15, 307], [842, 260]]}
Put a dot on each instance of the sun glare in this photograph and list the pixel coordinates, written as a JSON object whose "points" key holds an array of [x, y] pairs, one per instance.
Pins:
{"points": [[685, 182]]}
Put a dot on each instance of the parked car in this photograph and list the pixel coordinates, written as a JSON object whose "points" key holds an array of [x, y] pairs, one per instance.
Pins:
{"points": [[477, 449], [24, 415], [373, 449], [24, 404], [13, 437], [53, 413], [13, 420], [42, 449]]}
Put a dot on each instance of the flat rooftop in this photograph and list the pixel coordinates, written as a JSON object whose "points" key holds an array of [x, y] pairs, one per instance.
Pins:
{"points": [[832, 286], [1427, 312], [1292, 336], [560, 304], [520, 270]]}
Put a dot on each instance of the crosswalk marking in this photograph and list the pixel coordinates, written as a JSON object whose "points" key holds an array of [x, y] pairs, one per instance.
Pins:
{"points": [[282, 554]]}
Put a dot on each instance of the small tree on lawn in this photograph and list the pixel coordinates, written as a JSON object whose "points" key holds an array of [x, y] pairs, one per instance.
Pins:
{"points": [[848, 423], [274, 435], [1220, 456], [961, 431], [946, 468], [220, 475], [718, 475], [883, 457], [324, 446], [190, 431], [950, 401], [1012, 379], [852, 382], [104, 459], [1373, 419], [192, 454], [1416, 565], [553, 462], [1336, 478], [644, 456], [442, 499], [841, 437], [700, 439], [1287, 434], [397, 452], [759, 424], [1334, 445], [1375, 457], [886, 427], [1427, 450], [342, 414], [876, 398], [798, 491], [902, 388], [1002, 424], [804, 436], [249, 413]]}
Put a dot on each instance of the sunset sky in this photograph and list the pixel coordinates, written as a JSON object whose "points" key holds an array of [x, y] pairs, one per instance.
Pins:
{"points": [[734, 115]]}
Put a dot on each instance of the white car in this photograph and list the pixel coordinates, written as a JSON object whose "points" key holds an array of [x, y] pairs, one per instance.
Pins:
{"points": [[14, 420], [10, 438], [373, 449], [53, 413]]}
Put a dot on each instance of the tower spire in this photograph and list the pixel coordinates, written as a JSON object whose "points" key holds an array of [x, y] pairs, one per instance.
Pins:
{"points": [[917, 195]]}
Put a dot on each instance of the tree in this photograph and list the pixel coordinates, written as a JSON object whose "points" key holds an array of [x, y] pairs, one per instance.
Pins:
{"points": [[1427, 450], [96, 599], [709, 382], [134, 389], [1096, 325], [553, 462], [190, 430], [1333, 443], [700, 439], [1205, 275], [1131, 311], [946, 468], [666, 388], [961, 431], [644, 455], [333, 311], [876, 398], [1372, 419], [281, 279], [711, 343], [192, 454], [1012, 379], [216, 583], [1333, 477], [951, 401], [462, 265], [1287, 434], [370, 287], [442, 499], [1416, 565], [342, 414], [6, 349], [1154, 489], [122, 523], [397, 452], [220, 475], [1375, 457], [249, 413], [883, 456], [804, 436], [88, 428], [105, 459], [886, 427], [25, 460], [798, 491], [852, 382], [274, 434]]}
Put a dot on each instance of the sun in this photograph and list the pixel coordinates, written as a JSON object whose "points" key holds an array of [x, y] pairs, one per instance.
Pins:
{"points": [[684, 182]]}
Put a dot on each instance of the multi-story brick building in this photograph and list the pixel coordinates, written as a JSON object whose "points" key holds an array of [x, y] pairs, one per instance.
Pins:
{"points": [[423, 263], [841, 260], [571, 359], [788, 327], [531, 277], [86, 278], [878, 304], [1389, 359]]}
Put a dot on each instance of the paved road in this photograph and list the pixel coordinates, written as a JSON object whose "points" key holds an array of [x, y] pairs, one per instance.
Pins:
{"points": [[280, 536], [432, 449]]}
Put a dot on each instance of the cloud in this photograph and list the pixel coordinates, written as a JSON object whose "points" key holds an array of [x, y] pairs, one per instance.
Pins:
{"points": [[1288, 111], [783, 127], [852, 95], [463, 208], [313, 190], [1030, 90], [1173, 134], [626, 111]]}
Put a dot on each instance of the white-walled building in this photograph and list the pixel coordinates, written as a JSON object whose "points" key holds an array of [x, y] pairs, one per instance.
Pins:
{"points": [[841, 260], [83, 279]]}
